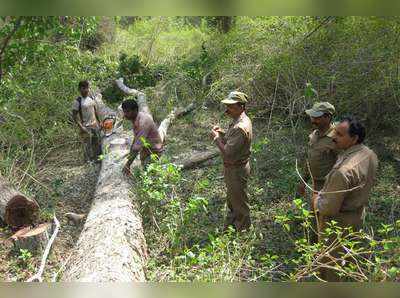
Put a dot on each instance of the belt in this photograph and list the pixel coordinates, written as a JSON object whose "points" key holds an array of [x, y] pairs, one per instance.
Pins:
{"points": [[357, 210], [235, 163]]}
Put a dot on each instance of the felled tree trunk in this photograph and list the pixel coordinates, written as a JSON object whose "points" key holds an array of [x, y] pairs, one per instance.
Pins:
{"points": [[164, 125], [197, 159], [141, 97], [111, 246], [16, 209]]}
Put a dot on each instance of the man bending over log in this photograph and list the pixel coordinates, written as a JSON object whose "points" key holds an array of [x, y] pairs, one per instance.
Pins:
{"points": [[147, 137]]}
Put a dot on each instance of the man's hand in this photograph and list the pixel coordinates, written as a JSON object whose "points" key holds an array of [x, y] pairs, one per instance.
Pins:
{"points": [[301, 190], [217, 128], [84, 130], [127, 169], [214, 134]]}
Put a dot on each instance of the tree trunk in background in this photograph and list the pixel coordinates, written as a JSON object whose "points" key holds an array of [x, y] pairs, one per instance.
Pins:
{"points": [[197, 159], [7, 39], [224, 23]]}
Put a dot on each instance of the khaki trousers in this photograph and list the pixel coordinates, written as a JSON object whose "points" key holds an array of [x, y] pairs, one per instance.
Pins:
{"points": [[236, 178], [344, 219]]}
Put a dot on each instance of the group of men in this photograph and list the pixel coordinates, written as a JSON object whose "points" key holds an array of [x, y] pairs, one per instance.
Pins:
{"points": [[339, 169]]}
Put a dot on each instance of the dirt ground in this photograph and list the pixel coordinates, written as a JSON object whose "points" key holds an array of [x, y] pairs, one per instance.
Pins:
{"points": [[71, 183]]}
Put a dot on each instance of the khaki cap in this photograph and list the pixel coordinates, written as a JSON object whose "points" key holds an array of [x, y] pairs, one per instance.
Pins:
{"points": [[235, 97], [320, 108]]}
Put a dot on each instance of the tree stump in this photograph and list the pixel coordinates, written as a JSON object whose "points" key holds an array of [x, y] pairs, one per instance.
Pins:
{"points": [[33, 239], [16, 209]]}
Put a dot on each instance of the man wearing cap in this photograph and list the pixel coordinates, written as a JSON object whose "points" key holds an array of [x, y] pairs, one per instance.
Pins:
{"points": [[347, 187], [322, 152], [235, 150]]}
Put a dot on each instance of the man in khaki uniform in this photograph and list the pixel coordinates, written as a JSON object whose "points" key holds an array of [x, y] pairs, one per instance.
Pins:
{"points": [[348, 185], [321, 153], [235, 150]]}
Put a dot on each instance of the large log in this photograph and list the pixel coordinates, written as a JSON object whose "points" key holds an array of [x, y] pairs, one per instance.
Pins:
{"points": [[111, 246], [16, 209], [197, 159]]}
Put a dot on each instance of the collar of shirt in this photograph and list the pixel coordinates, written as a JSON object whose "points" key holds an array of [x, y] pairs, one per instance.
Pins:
{"points": [[346, 153], [352, 149], [329, 132], [235, 121]]}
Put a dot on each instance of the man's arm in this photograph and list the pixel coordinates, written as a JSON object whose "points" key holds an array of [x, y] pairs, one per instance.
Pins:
{"points": [[96, 113], [220, 144], [131, 157], [327, 203], [78, 120], [221, 133], [233, 144], [137, 144]]}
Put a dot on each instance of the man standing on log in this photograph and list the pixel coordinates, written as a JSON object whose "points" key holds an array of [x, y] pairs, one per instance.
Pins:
{"points": [[147, 137], [234, 146], [348, 185], [85, 114]]}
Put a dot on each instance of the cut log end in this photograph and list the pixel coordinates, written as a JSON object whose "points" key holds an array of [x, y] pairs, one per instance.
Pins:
{"points": [[21, 211], [32, 239]]}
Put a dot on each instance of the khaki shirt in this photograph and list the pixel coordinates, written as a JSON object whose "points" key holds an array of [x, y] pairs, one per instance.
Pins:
{"points": [[237, 141], [355, 169], [321, 155]]}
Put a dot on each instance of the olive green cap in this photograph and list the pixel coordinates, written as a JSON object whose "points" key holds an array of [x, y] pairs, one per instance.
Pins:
{"points": [[320, 108], [235, 97]]}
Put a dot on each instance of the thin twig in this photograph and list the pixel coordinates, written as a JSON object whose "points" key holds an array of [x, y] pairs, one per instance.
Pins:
{"points": [[326, 192], [273, 103], [35, 180], [38, 275]]}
